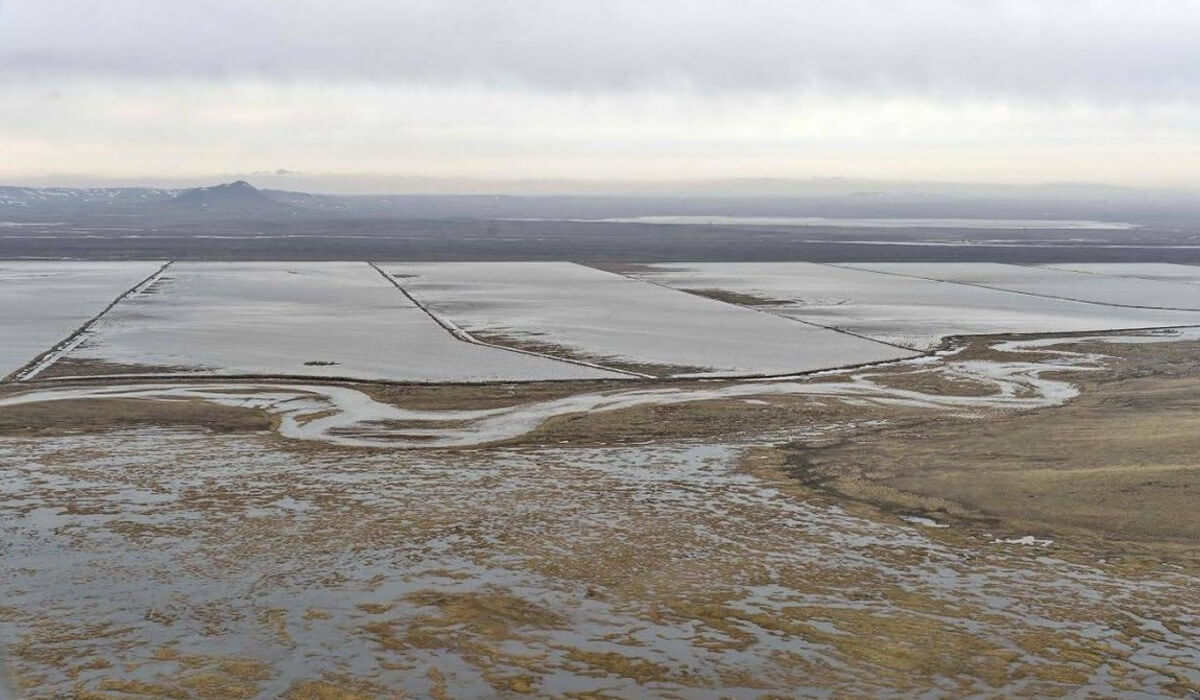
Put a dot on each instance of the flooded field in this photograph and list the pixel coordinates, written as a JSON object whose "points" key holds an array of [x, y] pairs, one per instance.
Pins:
{"points": [[184, 514], [580, 311], [44, 302], [1054, 283], [535, 321], [324, 319], [906, 310]]}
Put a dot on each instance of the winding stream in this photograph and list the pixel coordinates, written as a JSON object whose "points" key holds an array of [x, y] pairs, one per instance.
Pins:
{"points": [[344, 416]]}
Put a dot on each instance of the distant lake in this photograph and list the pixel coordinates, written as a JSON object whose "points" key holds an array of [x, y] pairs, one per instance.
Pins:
{"points": [[874, 223]]}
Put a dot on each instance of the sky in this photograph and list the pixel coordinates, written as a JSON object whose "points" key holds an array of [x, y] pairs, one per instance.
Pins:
{"points": [[374, 95]]}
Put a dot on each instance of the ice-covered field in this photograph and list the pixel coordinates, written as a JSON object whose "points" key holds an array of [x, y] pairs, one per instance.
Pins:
{"points": [[42, 303], [602, 315], [1050, 282], [1168, 272], [906, 311], [309, 319]]}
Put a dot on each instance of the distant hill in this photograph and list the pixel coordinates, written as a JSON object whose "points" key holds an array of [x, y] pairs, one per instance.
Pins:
{"points": [[234, 198]]}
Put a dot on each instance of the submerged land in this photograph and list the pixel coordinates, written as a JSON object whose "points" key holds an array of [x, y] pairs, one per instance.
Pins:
{"points": [[668, 478], [772, 542]]}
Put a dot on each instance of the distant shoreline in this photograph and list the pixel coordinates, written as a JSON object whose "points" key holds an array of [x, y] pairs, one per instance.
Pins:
{"points": [[849, 222]]}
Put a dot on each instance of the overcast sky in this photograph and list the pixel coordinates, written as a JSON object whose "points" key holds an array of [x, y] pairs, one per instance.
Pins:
{"points": [[359, 91]]}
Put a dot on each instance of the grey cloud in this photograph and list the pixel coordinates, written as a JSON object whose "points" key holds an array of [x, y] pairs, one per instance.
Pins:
{"points": [[1090, 49]]}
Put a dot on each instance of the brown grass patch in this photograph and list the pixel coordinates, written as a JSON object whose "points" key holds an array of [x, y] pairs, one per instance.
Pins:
{"points": [[1118, 462], [99, 415]]}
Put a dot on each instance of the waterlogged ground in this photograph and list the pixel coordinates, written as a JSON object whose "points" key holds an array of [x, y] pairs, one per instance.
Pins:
{"points": [[707, 539], [170, 563]]}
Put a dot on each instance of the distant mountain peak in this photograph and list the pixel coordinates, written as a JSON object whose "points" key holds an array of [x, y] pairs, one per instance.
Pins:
{"points": [[239, 192], [238, 198]]}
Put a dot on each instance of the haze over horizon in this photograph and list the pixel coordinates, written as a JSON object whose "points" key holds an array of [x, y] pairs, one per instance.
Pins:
{"points": [[463, 95]]}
